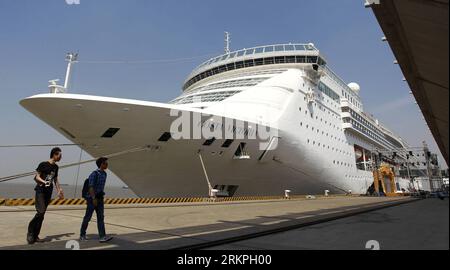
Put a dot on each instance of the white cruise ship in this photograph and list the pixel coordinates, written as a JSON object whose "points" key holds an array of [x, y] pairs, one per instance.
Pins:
{"points": [[320, 136]]}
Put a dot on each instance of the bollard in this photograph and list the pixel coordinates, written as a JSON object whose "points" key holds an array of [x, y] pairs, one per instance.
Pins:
{"points": [[287, 194], [214, 194]]}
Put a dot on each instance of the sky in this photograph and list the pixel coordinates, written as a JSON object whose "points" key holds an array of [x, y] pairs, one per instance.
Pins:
{"points": [[36, 35]]}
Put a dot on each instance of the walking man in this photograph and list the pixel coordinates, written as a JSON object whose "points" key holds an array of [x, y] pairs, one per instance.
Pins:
{"points": [[46, 176], [94, 198]]}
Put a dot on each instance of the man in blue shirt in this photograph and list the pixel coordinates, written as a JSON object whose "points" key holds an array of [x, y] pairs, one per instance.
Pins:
{"points": [[95, 201]]}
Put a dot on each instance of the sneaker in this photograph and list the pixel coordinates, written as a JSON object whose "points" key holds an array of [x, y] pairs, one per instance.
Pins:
{"points": [[30, 239], [83, 238], [105, 239]]}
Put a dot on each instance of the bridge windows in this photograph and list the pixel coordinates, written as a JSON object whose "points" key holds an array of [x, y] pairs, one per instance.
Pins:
{"points": [[290, 59], [259, 62], [259, 50], [208, 97], [268, 49], [239, 65], [254, 62], [279, 48], [249, 63]]}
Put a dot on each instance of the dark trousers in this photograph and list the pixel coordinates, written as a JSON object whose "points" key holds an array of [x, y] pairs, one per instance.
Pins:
{"points": [[43, 199], [99, 210]]}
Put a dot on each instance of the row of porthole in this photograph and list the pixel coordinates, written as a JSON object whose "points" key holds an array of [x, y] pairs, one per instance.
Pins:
{"points": [[318, 131], [321, 120], [323, 133], [342, 163], [332, 148], [355, 177]]}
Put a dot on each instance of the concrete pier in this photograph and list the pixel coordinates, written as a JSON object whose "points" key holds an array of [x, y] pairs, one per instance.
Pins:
{"points": [[179, 225]]}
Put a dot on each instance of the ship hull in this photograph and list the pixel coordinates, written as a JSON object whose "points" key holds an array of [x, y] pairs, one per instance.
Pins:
{"points": [[173, 168]]}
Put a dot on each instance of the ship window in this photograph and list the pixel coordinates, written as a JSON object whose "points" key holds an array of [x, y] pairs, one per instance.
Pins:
{"points": [[230, 66], [249, 51], [239, 65], [110, 132], [279, 48], [249, 63], [312, 59], [209, 142], [299, 47], [259, 50], [290, 48], [268, 61], [269, 49], [227, 143], [280, 60], [241, 53], [290, 59], [300, 59], [259, 62], [165, 137]]}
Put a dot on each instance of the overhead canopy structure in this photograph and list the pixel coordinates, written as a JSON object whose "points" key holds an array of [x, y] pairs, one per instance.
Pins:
{"points": [[417, 31]]}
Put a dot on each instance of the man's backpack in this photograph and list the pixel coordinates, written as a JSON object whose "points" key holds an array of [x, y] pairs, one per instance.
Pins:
{"points": [[85, 190]]}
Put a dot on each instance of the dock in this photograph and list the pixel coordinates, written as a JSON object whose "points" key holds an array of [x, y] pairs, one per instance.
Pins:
{"points": [[201, 225]]}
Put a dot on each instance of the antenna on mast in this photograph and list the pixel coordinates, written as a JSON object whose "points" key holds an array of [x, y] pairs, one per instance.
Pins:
{"points": [[227, 42], [53, 84], [71, 58]]}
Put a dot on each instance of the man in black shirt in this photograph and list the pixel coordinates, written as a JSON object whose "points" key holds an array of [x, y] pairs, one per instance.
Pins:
{"points": [[46, 176]]}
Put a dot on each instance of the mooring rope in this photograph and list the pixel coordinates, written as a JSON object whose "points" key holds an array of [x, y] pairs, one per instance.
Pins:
{"points": [[19, 176], [37, 145]]}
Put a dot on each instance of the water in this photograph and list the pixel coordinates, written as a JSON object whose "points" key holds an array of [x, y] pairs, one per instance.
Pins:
{"points": [[19, 191]]}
